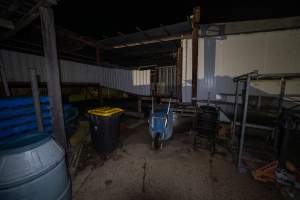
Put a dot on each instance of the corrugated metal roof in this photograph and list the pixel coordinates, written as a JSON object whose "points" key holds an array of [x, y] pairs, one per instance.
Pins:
{"points": [[251, 26], [144, 37]]}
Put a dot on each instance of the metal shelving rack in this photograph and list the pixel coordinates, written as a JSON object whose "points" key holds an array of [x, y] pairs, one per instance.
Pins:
{"points": [[246, 79]]}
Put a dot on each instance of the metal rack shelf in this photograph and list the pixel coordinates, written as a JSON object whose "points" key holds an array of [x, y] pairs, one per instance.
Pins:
{"points": [[246, 79]]}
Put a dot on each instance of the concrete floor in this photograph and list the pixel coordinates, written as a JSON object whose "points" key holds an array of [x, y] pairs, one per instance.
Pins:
{"points": [[135, 172]]}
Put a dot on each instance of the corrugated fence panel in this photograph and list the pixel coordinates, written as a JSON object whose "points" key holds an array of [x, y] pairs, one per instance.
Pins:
{"points": [[16, 65], [166, 80], [133, 81]]}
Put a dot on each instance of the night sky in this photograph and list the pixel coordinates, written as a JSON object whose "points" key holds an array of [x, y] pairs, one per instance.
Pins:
{"points": [[106, 18]]}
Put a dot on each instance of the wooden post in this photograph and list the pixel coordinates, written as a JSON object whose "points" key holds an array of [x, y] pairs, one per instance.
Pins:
{"points": [[36, 99], [4, 82], [195, 33], [179, 75], [154, 81], [100, 96], [53, 75], [139, 105], [97, 55]]}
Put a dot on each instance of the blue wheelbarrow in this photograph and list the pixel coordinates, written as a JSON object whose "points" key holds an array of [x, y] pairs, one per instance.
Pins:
{"points": [[160, 125]]}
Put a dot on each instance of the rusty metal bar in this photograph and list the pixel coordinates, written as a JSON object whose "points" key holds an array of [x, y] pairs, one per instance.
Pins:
{"points": [[195, 36]]}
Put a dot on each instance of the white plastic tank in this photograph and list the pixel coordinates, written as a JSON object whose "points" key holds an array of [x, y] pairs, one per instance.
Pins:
{"points": [[33, 167]]}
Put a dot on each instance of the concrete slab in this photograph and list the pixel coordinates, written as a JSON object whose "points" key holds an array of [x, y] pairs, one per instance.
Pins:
{"points": [[135, 172]]}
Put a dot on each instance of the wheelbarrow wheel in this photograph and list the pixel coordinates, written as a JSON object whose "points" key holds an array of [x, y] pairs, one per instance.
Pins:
{"points": [[157, 142]]}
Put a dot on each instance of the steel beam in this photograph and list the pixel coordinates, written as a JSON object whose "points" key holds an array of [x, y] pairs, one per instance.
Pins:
{"points": [[53, 75], [36, 99], [244, 77]]}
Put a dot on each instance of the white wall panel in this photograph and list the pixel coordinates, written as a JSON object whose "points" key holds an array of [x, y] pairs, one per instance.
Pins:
{"points": [[269, 52]]}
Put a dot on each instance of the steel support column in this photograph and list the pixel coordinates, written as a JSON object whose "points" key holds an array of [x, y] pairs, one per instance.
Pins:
{"points": [[244, 121], [285, 143], [53, 75], [233, 128], [281, 95], [280, 106], [36, 99]]}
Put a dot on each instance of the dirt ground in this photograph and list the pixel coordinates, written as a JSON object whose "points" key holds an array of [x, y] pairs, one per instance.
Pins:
{"points": [[136, 172]]}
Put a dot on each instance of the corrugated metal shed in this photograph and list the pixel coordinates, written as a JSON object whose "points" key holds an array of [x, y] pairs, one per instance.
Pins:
{"points": [[133, 81]]}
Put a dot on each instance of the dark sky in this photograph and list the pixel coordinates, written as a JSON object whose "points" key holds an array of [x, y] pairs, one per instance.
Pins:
{"points": [[99, 17]]}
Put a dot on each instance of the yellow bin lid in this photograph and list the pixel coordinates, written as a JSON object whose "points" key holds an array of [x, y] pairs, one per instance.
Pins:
{"points": [[105, 111]]}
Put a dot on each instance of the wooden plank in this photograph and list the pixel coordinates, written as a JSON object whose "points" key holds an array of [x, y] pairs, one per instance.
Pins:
{"points": [[179, 75], [53, 75], [195, 36], [36, 99]]}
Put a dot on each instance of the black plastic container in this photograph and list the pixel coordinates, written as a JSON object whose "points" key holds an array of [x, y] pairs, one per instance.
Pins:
{"points": [[105, 128], [207, 120]]}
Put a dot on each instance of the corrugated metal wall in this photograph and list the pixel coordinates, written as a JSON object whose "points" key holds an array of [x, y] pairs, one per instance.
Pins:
{"points": [[220, 59], [166, 81], [133, 81]]}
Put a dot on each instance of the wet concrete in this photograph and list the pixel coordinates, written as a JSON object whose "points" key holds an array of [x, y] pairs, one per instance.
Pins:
{"points": [[135, 172]]}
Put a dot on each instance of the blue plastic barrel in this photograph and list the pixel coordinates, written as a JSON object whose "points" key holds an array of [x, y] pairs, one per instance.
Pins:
{"points": [[33, 167]]}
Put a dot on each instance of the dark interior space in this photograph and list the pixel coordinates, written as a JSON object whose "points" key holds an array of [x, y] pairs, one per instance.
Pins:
{"points": [[149, 100]]}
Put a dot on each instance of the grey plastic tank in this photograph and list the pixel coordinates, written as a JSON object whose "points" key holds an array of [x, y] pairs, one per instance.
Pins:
{"points": [[33, 167]]}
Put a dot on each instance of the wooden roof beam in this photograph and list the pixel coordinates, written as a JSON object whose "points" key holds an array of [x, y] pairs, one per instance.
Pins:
{"points": [[6, 24], [27, 18]]}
